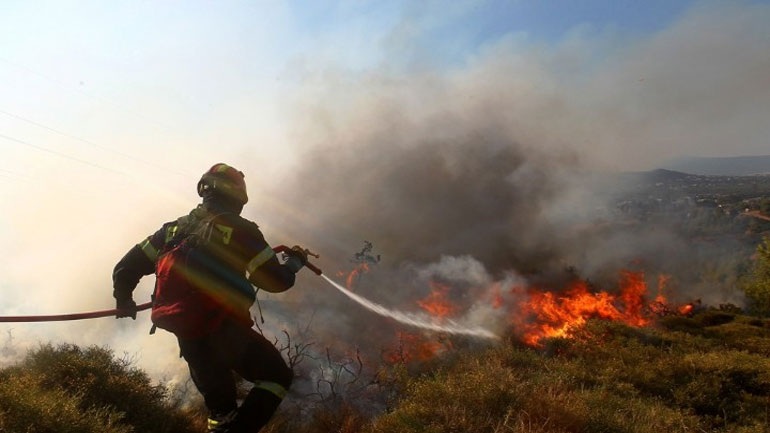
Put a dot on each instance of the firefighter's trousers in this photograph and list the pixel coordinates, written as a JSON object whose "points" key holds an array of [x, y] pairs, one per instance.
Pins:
{"points": [[233, 347]]}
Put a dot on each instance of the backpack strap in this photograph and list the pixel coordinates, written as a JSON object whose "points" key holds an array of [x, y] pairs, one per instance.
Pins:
{"points": [[175, 233]]}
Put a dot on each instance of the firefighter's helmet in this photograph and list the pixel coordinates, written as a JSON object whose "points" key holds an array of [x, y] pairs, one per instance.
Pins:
{"points": [[222, 179]]}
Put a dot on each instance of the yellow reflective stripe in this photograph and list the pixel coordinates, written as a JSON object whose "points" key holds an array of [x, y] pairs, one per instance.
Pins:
{"points": [[212, 424], [272, 387], [149, 249], [260, 259], [227, 233], [170, 232]]}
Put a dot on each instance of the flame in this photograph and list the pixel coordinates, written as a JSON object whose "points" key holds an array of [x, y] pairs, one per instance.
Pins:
{"points": [[548, 314], [496, 293], [415, 347], [539, 313], [663, 280], [436, 303], [352, 277], [686, 309]]}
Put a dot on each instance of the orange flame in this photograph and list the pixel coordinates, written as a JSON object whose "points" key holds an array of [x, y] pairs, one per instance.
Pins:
{"points": [[685, 309], [415, 347], [436, 303], [543, 314], [497, 299], [352, 277], [548, 314]]}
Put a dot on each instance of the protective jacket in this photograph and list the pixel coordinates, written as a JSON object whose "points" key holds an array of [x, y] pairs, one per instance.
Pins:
{"points": [[236, 256]]}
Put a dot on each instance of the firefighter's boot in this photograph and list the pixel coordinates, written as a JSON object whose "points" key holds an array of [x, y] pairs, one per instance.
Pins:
{"points": [[221, 424], [256, 410]]}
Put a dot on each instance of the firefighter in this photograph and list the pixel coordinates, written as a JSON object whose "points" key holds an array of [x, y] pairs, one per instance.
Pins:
{"points": [[232, 256]]}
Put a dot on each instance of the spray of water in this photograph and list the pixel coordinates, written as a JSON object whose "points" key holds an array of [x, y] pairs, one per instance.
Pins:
{"points": [[414, 319]]}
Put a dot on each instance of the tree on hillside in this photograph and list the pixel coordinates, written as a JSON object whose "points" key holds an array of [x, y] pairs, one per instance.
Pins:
{"points": [[757, 286], [764, 206]]}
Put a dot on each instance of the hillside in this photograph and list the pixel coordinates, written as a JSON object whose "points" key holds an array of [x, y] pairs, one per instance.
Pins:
{"points": [[724, 166], [671, 184], [706, 373]]}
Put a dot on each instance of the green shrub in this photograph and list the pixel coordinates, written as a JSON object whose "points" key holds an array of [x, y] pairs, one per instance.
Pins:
{"points": [[714, 318], [756, 286], [743, 334], [723, 387]]}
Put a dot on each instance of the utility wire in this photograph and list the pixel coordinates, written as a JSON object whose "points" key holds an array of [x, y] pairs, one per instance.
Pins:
{"points": [[12, 176], [155, 122], [73, 137], [61, 155]]}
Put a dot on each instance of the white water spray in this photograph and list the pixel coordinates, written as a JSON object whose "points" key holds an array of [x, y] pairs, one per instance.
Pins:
{"points": [[413, 319]]}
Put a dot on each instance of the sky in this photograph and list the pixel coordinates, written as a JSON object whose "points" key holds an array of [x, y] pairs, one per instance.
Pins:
{"points": [[346, 117]]}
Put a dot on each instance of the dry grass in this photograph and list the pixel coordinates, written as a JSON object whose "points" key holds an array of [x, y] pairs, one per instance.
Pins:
{"points": [[610, 378], [709, 373], [69, 389]]}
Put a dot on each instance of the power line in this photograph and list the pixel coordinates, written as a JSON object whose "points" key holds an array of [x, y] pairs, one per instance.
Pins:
{"points": [[11, 175], [73, 137], [61, 155], [154, 121]]}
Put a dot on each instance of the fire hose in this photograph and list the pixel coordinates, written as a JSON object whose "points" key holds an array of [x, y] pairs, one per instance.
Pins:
{"points": [[71, 316], [107, 313]]}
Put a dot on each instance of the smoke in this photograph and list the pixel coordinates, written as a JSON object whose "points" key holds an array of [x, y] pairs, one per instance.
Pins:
{"points": [[497, 169]]}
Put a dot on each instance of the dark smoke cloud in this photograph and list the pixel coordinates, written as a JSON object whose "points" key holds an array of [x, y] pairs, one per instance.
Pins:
{"points": [[470, 195], [501, 163], [497, 158]]}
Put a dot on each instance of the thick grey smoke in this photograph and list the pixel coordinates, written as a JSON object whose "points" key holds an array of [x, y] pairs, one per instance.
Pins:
{"points": [[501, 159], [488, 158], [469, 195]]}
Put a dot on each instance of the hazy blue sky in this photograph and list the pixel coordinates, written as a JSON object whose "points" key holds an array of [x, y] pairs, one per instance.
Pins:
{"points": [[120, 75], [110, 110]]}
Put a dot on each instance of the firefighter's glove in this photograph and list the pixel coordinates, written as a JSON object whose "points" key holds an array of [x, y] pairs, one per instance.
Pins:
{"points": [[126, 307], [299, 252], [297, 258]]}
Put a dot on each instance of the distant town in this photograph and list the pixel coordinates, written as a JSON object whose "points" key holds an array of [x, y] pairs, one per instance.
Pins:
{"points": [[702, 202]]}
